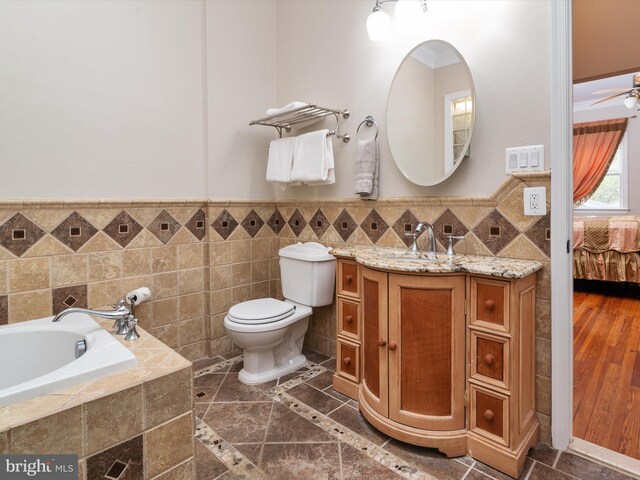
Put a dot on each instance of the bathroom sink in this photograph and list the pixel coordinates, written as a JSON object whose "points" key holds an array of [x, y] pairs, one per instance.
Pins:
{"points": [[410, 256]]}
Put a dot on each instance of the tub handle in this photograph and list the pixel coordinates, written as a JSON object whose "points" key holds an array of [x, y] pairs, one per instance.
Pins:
{"points": [[81, 348]]}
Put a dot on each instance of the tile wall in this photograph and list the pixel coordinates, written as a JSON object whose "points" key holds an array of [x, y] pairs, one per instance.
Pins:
{"points": [[200, 258]]}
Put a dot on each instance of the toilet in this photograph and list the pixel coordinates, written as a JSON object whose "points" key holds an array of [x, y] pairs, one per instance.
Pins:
{"points": [[271, 332]]}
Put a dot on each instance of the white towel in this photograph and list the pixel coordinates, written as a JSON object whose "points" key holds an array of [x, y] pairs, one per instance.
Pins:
{"points": [[313, 161], [280, 160], [286, 108], [367, 165]]}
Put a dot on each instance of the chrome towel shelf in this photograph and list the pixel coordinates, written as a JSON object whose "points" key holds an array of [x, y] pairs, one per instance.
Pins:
{"points": [[303, 114]]}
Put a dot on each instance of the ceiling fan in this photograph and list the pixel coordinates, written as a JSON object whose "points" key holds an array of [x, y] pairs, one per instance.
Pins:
{"points": [[632, 94]]}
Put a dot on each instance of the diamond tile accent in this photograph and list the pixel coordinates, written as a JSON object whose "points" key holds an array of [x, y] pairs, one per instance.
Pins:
{"points": [[345, 225], [19, 234], [74, 231], [197, 225], [164, 226], [123, 228], [252, 223], [540, 234], [276, 222], [4, 309], [297, 222], [495, 231], [66, 297], [374, 226], [448, 224], [319, 223], [129, 453], [406, 223], [225, 224]]}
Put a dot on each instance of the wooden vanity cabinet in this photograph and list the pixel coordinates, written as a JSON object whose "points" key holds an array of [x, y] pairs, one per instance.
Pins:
{"points": [[446, 361]]}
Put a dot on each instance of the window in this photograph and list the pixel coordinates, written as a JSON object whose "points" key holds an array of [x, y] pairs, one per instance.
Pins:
{"points": [[611, 194]]}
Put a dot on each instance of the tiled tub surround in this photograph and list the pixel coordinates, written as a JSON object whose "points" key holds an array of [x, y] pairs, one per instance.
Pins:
{"points": [[196, 276], [142, 417]]}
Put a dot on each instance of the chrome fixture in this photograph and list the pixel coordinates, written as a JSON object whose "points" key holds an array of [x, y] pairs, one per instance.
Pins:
{"points": [[81, 348], [379, 23], [450, 252], [120, 311], [431, 248]]}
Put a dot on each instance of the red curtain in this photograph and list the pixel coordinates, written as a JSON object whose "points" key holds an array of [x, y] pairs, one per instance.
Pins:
{"points": [[594, 146]]}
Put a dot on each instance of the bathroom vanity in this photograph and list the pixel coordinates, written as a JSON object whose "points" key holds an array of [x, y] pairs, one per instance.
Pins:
{"points": [[440, 353]]}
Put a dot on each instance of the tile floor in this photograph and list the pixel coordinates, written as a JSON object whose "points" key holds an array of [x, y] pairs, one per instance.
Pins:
{"points": [[299, 428]]}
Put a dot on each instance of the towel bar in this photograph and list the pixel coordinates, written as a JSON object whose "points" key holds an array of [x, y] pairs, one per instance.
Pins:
{"points": [[306, 113]]}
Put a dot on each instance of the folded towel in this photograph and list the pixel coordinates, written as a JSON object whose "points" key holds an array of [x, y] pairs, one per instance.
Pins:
{"points": [[367, 165], [280, 160], [313, 161], [286, 108]]}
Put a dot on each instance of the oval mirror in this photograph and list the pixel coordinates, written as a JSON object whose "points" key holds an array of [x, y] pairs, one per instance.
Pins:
{"points": [[430, 112]]}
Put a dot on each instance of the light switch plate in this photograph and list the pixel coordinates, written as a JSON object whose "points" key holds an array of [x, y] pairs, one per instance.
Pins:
{"points": [[535, 201], [524, 159]]}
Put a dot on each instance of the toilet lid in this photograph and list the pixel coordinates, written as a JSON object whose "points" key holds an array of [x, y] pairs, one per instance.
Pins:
{"points": [[262, 310]]}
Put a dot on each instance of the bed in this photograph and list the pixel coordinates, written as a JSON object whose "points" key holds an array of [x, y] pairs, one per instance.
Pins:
{"points": [[607, 248]]}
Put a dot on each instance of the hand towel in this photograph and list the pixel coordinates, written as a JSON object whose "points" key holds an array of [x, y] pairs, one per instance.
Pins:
{"points": [[313, 161], [280, 160], [286, 108], [367, 165]]}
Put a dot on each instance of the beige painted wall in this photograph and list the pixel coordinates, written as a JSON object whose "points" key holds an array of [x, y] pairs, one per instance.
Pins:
{"points": [[241, 61], [324, 55], [101, 99], [633, 144], [412, 105]]}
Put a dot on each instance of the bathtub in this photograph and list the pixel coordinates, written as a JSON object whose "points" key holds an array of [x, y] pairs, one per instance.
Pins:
{"points": [[39, 357]]}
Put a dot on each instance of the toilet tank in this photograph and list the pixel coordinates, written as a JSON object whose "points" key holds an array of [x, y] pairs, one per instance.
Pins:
{"points": [[308, 274]]}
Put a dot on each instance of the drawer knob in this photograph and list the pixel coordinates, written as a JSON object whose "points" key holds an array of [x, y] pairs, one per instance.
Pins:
{"points": [[382, 342], [488, 359], [393, 345], [349, 278], [488, 415], [489, 304], [347, 360], [349, 319]]}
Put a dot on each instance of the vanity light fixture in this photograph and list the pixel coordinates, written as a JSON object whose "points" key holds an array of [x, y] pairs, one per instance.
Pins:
{"points": [[379, 23]]}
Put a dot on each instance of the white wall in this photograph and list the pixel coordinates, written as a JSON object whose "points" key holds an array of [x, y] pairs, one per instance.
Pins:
{"points": [[633, 144], [101, 99], [241, 60], [324, 55]]}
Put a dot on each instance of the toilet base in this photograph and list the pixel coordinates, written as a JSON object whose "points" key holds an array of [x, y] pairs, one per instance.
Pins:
{"points": [[257, 378]]}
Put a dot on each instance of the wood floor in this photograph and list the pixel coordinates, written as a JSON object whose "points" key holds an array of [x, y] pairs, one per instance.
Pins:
{"points": [[606, 388]]}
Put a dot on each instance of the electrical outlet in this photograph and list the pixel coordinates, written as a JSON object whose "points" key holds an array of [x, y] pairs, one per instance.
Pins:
{"points": [[535, 201]]}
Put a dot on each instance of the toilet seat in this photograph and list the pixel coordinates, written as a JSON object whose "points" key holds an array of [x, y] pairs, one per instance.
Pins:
{"points": [[260, 311]]}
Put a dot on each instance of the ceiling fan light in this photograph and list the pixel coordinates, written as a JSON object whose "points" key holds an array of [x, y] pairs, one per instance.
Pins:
{"points": [[378, 25], [631, 100]]}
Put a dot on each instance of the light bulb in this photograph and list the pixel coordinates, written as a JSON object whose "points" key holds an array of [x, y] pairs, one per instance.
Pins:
{"points": [[631, 100], [378, 25]]}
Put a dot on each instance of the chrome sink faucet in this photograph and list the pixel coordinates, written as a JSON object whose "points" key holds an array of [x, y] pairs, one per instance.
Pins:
{"points": [[431, 247]]}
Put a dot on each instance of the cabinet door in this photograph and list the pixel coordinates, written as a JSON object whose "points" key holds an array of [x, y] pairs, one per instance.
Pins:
{"points": [[374, 339], [427, 351]]}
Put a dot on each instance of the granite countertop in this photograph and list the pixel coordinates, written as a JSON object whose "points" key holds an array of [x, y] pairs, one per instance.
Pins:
{"points": [[400, 260], [155, 359]]}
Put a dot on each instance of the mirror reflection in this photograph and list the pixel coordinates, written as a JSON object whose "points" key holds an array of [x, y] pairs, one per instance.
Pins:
{"points": [[430, 112]]}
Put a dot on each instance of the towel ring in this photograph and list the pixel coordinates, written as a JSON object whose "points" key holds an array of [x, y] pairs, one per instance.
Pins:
{"points": [[370, 122]]}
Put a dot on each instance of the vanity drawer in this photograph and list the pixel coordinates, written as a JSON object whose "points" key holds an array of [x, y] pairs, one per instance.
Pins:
{"points": [[490, 359], [490, 304], [348, 361], [349, 319], [348, 284], [490, 414]]}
